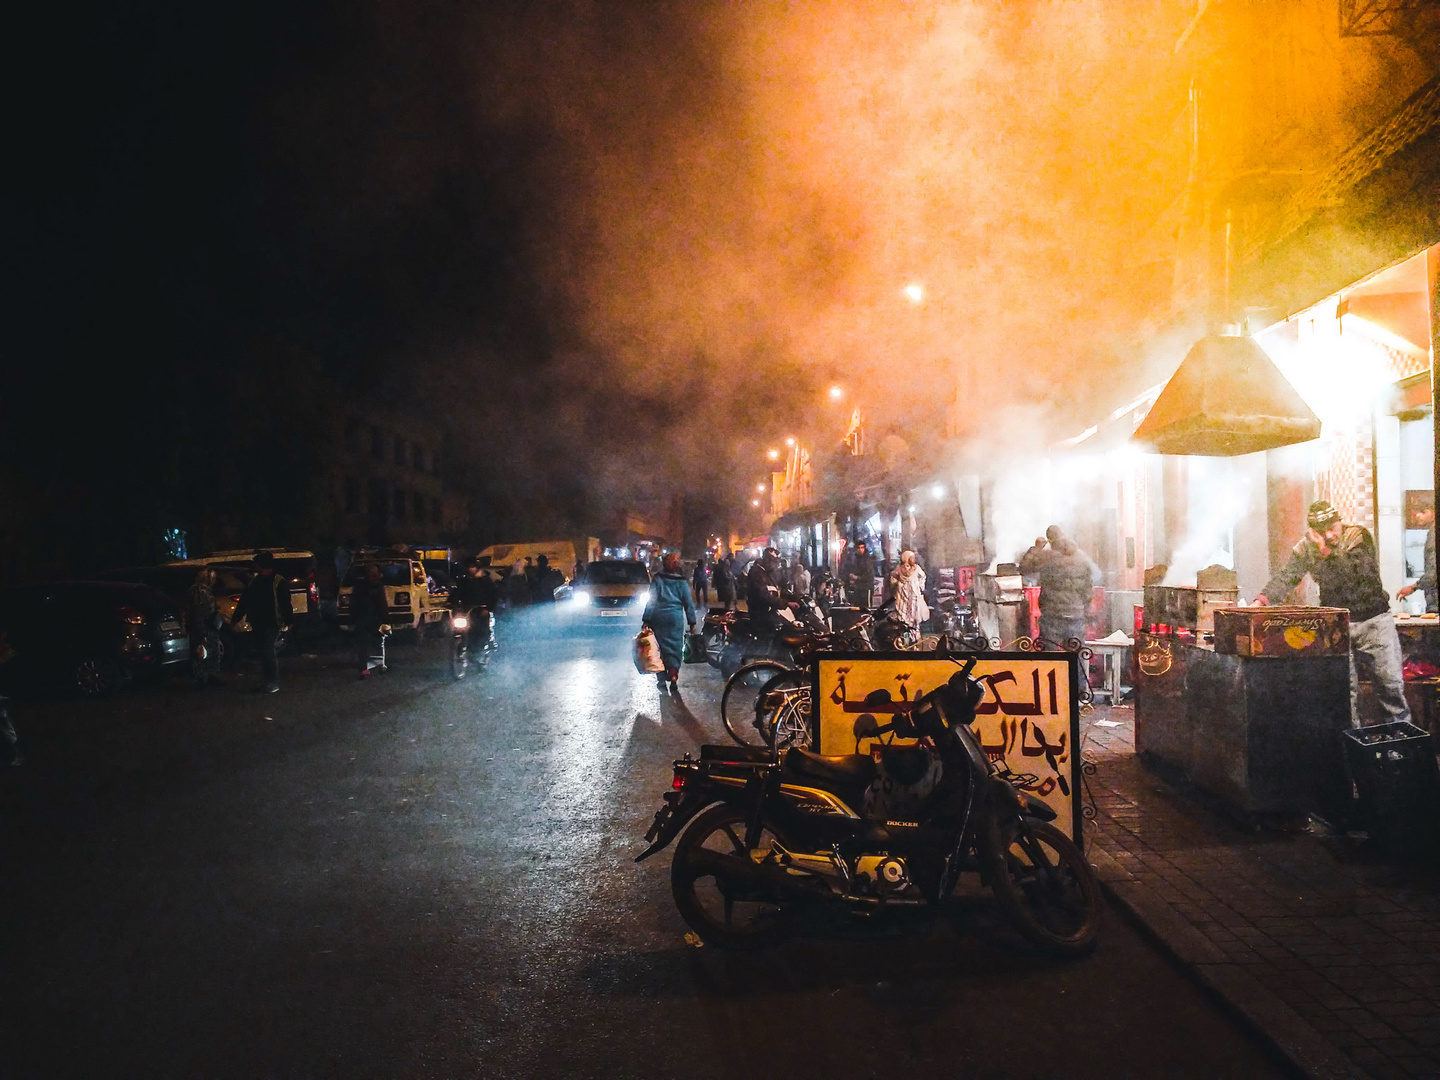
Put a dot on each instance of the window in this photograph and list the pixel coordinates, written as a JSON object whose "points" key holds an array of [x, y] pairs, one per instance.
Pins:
{"points": [[417, 457], [399, 504], [418, 502], [353, 432], [377, 443], [399, 450], [375, 492], [352, 495]]}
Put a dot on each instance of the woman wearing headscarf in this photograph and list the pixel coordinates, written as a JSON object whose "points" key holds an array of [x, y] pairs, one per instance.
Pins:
{"points": [[669, 611], [907, 587]]}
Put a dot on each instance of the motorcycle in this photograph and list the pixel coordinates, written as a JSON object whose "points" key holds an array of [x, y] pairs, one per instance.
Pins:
{"points": [[764, 837], [716, 632], [472, 640], [747, 641]]}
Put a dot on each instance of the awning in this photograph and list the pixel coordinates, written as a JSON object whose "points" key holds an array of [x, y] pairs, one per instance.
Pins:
{"points": [[1226, 398]]}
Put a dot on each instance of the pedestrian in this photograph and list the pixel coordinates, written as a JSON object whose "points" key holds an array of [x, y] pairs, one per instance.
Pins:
{"points": [[516, 586], [1067, 584], [799, 578], [725, 581], [202, 619], [545, 581], [762, 592], [907, 590], [1428, 582], [370, 608], [1341, 559], [700, 581], [265, 604], [860, 577], [1034, 558], [669, 611]]}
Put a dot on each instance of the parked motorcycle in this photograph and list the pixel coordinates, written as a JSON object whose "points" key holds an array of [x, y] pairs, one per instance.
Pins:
{"points": [[472, 640], [768, 836], [747, 641]]}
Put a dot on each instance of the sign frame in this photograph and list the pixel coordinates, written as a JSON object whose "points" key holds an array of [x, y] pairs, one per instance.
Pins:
{"points": [[883, 667]]}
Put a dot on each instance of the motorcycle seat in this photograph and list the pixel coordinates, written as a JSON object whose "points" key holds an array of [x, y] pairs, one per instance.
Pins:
{"points": [[856, 770], [793, 641]]}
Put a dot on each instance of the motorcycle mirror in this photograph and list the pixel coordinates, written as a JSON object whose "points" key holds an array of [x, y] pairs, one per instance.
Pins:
{"points": [[866, 726]]}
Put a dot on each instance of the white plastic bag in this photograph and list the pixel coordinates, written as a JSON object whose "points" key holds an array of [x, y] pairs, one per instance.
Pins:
{"points": [[647, 653]]}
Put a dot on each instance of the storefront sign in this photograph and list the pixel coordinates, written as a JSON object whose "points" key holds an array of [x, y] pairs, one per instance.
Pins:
{"points": [[1029, 717]]}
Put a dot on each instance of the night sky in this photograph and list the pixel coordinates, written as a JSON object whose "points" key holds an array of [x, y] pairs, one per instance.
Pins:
{"points": [[618, 246]]}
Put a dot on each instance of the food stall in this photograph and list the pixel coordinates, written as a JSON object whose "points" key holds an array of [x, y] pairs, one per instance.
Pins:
{"points": [[1250, 709]]}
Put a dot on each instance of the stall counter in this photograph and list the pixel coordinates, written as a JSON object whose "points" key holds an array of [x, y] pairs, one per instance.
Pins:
{"points": [[1260, 734]]}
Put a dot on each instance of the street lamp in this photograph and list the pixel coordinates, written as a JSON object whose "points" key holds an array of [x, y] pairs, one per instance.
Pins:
{"points": [[760, 488], [790, 441], [754, 502], [915, 292], [773, 455]]}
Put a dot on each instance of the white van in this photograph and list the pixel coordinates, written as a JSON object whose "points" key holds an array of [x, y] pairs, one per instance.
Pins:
{"points": [[560, 553]]}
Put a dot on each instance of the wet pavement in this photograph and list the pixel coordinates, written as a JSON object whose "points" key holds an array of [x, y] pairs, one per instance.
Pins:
{"points": [[1327, 943], [411, 877]]}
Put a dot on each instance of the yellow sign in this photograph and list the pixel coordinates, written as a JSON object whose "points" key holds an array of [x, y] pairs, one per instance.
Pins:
{"points": [[1029, 718]]}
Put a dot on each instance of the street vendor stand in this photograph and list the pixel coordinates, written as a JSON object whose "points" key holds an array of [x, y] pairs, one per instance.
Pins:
{"points": [[1251, 710]]}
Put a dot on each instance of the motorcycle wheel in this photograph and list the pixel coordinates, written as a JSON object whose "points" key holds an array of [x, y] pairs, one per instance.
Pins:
{"points": [[740, 701], [1044, 886], [459, 658], [787, 724], [724, 914]]}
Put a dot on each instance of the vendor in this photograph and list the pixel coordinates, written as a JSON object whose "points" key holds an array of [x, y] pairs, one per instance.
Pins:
{"points": [[1427, 581], [1341, 559]]}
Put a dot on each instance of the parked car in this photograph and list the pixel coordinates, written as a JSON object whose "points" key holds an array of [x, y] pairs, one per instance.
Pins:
{"points": [[92, 636], [295, 566], [413, 604], [609, 590], [175, 579]]}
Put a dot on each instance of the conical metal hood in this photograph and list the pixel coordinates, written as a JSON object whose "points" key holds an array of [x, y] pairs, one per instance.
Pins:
{"points": [[1226, 398]]}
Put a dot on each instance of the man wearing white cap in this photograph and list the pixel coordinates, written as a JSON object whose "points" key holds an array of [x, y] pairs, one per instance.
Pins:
{"points": [[1341, 559]]}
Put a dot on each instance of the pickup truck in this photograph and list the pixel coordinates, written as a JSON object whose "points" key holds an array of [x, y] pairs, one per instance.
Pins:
{"points": [[414, 604]]}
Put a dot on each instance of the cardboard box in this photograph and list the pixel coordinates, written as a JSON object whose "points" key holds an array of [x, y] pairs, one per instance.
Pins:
{"points": [[1282, 632]]}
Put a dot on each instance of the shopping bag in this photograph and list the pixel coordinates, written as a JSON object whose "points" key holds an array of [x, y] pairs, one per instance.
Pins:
{"points": [[647, 653], [695, 649]]}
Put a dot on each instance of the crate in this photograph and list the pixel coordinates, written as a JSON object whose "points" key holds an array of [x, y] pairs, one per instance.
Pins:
{"points": [[1398, 784], [1282, 632]]}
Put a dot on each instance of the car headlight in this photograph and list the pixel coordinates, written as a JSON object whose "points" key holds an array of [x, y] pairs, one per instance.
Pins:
{"points": [[581, 596]]}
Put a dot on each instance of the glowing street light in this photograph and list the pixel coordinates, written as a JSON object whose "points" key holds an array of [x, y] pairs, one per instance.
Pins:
{"points": [[915, 292], [790, 441], [938, 491], [760, 488], [754, 502], [773, 455], [836, 393]]}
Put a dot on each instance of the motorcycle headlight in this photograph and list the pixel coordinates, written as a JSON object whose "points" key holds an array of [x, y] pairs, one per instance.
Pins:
{"points": [[460, 622]]}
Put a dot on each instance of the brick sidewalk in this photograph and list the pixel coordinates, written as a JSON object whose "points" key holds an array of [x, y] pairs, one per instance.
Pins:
{"points": [[1333, 953]]}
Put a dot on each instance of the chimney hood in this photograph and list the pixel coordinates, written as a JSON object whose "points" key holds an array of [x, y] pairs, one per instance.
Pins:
{"points": [[1226, 398]]}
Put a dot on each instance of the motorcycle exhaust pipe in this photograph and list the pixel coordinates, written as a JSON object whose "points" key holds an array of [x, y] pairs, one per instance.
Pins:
{"points": [[772, 881]]}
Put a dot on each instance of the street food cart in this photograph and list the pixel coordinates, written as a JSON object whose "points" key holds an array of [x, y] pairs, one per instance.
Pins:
{"points": [[1252, 709]]}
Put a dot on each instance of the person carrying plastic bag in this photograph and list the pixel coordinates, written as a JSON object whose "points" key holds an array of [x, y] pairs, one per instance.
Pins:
{"points": [[668, 612]]}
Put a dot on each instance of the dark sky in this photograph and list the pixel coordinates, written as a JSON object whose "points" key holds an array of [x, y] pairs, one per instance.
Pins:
{"points": [[625, 244]]}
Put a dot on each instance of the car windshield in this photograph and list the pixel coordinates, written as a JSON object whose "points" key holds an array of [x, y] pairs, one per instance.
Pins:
{"points": [[391, 573], [616, 573]]}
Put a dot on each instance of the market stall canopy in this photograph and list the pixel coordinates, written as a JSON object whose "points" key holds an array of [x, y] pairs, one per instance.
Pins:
{"points": [[1226, 398]]}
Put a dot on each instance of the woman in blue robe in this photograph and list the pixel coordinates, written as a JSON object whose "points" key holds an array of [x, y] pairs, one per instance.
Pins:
{"points": [[669, 611]]}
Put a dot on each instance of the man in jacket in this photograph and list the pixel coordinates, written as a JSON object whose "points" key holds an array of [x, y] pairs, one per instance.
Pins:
{"points": [[265, 604], [369, 608], [725, 581], [762, 591], [860, 577], [700, 581], [1428, 581], [1067, 582], [1341, 559]]}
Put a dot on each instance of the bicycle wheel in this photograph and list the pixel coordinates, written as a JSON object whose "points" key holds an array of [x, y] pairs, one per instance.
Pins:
{"points": [[784, 710], [740, 701]]}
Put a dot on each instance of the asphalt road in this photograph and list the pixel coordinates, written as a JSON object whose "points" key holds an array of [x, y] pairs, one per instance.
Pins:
{"points": [[414, 878]]}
